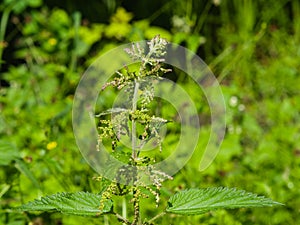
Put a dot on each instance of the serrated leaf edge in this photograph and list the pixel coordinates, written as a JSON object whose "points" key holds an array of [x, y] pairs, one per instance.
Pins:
{"points": [[54, 203], [215, 191]]}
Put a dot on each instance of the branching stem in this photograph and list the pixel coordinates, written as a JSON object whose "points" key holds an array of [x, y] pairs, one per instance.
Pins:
{"points": [[122, 219], [156, 217]]}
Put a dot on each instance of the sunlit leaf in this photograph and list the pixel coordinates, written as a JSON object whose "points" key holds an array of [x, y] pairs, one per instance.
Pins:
{"points": [[198, 201], [80, 203]]}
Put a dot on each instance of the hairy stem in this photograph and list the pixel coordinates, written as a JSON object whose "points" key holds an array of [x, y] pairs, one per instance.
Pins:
{"points": [[136, 200], [134, 107]]}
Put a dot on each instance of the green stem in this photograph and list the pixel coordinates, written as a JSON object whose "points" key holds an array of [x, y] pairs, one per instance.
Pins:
{"points": [[136, 201], [122, 219], [105, 220], [124, 209], [133, 130], [156, 217], [202, 18], [74, 55]]}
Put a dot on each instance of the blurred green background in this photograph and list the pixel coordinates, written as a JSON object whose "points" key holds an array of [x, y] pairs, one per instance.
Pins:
{"points": [[253, 48]]}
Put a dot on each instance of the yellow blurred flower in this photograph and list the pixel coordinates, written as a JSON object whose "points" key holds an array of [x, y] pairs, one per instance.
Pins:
{"points": [[52, 41], [51, 145]]}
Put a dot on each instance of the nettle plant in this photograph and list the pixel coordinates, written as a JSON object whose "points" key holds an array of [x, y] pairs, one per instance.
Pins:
{"points": [[137, 178]]}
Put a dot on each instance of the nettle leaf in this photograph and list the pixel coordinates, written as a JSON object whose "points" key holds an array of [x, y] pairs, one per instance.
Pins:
{"points": [[80, 203], [198, 201]]}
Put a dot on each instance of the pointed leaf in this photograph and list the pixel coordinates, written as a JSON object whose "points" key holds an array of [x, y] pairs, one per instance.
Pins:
{"points": [[80, 203], [198, 201]]}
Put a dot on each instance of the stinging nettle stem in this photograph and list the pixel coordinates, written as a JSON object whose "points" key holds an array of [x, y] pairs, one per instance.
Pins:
{"points": [[134, 108], [136, 82], [136, 204]]}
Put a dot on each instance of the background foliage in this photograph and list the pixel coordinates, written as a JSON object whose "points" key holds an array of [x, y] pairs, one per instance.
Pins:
{"points": [[253, 48]]}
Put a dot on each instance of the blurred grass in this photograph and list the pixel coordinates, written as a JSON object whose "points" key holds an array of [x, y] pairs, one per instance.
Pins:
{"points": [[252, 47]]}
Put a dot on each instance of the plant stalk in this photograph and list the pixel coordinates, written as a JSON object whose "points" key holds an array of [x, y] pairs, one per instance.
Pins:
{"points": [[136, 206], [133, 130], [122, 219], [156, 217], [124, 209], [136, 200]]}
